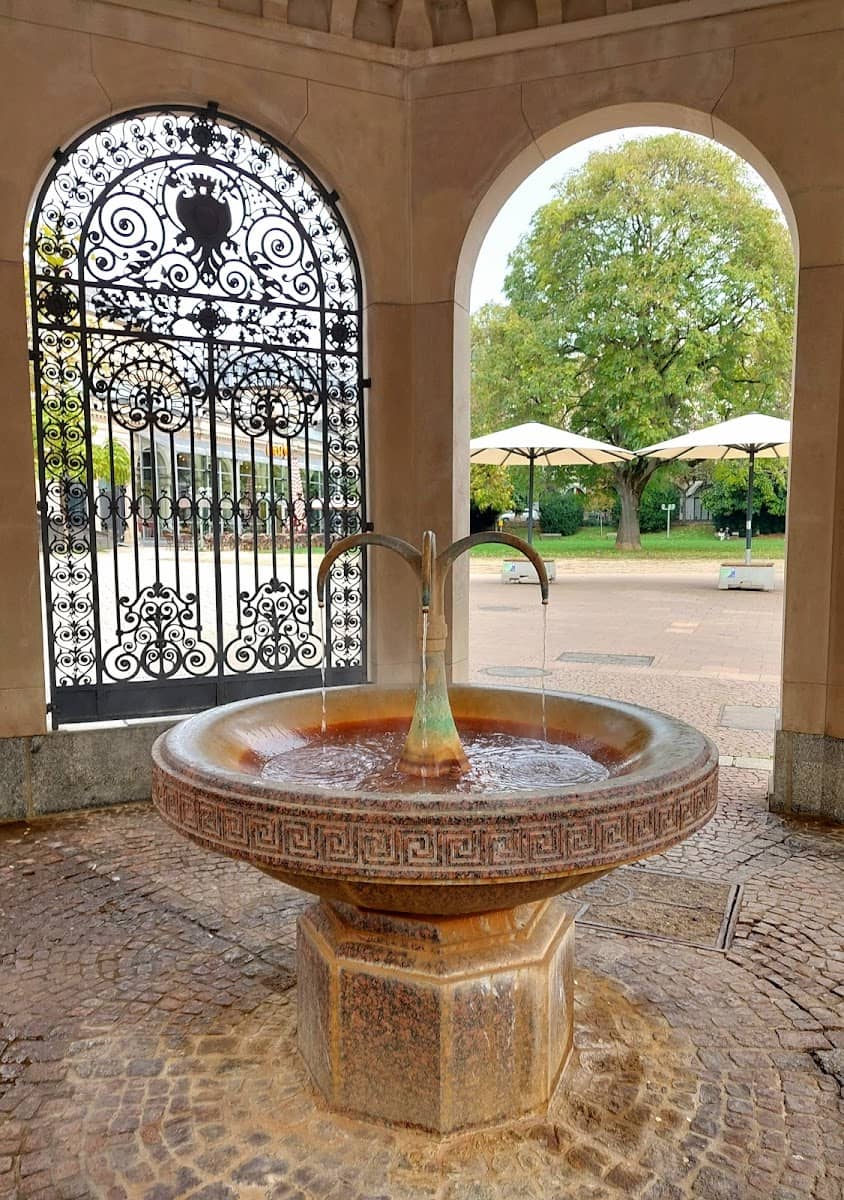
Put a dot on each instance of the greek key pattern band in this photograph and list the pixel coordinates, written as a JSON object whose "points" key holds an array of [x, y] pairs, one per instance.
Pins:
{"points": [[405, 847]]}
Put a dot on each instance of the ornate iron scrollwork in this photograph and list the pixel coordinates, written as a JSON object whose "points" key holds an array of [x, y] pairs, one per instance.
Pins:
{"points": [[195, 305], [277, 630]]}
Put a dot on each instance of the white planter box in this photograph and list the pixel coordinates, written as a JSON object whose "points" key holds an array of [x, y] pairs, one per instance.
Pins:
{"points": [[521, 570], [758, 576]]}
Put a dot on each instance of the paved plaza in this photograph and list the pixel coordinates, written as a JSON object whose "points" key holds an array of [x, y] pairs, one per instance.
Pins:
{"points": [[148, 989], [659, 634]]}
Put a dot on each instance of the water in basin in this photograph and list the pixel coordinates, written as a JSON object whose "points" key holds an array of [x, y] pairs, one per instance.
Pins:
{"points": [[365, 758]]}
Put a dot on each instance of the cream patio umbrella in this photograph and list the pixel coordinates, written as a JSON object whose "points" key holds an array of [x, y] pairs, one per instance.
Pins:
{"points": [[752, 436], [532, 443]]}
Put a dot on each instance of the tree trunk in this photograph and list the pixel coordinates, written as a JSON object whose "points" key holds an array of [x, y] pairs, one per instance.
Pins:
{"points": [[630, 480]]}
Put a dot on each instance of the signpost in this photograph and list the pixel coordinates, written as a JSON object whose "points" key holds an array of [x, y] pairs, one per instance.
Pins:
{"points": [[668, 509]]}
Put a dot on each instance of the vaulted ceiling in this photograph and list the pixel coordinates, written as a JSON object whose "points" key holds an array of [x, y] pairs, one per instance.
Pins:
{"points": [[417, 24]]}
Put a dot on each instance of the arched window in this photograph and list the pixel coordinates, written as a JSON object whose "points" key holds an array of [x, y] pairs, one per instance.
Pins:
{"points": [[195, 308]]}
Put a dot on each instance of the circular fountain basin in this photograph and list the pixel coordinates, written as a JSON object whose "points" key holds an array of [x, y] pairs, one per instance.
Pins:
{"points": [[425, 853]]}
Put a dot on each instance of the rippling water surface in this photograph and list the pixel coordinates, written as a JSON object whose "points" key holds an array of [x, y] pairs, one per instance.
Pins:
{"points": [[365, 761]]}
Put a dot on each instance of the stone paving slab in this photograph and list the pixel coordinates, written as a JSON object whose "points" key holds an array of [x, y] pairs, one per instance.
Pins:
{"points": [[709, 649], [693, 698], [607, 660], [148, 1035], [748, 716], [676, 616]]}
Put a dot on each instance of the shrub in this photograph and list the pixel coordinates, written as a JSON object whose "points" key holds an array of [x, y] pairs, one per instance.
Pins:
{"points": [[561, 512], [726, 496], [481, 520]]}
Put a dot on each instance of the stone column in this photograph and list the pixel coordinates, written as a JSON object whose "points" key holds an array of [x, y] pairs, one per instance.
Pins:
{"points": [[444, 1023], [418, 478], [22, 696], [809, 762]]}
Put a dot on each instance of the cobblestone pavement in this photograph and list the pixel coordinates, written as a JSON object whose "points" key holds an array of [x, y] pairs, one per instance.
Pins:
{"points": [[148, 1017], [148, 998]]}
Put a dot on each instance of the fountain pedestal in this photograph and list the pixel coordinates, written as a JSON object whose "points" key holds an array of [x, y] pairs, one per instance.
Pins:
{"points": [[444, 1022], [407, 1015], [440, 1022]]}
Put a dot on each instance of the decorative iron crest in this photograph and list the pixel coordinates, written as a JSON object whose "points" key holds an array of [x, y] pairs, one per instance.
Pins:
{"points": [[195, 305]]}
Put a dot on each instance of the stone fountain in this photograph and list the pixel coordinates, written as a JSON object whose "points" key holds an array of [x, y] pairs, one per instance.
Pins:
{"points": [[435, 972]]}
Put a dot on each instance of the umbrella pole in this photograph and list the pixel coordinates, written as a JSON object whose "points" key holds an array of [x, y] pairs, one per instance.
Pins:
{"points": [[748, 526], [530, 502]]}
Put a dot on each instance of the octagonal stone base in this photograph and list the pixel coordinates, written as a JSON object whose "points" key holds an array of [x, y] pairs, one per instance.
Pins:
{"points": [[443, 1023]]}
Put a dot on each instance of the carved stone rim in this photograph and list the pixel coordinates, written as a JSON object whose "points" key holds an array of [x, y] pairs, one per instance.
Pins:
{"points": [[368, 836]]}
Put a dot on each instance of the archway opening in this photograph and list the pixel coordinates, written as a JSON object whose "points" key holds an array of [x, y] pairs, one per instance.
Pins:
{"points": [[648, 620]]}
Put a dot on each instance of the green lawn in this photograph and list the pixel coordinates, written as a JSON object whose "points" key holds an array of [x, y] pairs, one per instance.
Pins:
{"points": [[694, 541]]}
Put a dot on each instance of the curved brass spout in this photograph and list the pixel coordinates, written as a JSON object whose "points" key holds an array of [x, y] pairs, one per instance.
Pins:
{"points": [[408, 552], [453, 552], [432, 747]]}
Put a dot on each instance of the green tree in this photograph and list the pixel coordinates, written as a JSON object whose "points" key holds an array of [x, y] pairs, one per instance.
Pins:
{"points": [[514, 379], [657, 289], [659, 490], [491, 488], [69, 417], [111, 463], [106, 463], [726, 495]]}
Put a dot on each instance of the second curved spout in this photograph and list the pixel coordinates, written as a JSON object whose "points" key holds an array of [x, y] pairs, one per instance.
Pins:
{"points": [[432, 747]]}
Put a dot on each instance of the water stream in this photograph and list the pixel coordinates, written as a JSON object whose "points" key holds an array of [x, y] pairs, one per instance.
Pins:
{"points": [[366, 759], [323, 725], [542, 676], [424, 685]]}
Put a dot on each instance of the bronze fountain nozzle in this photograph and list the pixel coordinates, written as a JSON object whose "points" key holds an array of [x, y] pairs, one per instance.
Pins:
{"points": [[432, 748]]}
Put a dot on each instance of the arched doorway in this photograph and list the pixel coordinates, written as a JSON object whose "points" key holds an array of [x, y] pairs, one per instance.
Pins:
{"points": [[195, 307], [576, 133]]}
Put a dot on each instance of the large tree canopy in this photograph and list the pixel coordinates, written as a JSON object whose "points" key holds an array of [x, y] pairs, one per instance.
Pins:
{"points": [[652, 295]]}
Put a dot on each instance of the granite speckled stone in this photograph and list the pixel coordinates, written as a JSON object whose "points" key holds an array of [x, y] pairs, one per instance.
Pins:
{"points": [[93, 768], [406, 852], [808, 775], [440, 1023], [449, 1006], [13, 778]]}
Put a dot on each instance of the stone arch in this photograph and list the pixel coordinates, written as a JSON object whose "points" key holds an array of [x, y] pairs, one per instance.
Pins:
{"points": [[546, 146], [605, 120]]}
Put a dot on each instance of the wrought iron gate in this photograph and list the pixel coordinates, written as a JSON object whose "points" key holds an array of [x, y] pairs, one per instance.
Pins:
{"points": [[195, 309]]}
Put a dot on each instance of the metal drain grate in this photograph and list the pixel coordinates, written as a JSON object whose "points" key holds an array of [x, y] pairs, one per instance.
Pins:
{"points": [[515, 672], [614, 660], [662, 906]]}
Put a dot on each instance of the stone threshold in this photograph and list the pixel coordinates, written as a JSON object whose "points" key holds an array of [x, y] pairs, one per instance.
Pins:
{"points": [[745, 763]]}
